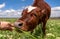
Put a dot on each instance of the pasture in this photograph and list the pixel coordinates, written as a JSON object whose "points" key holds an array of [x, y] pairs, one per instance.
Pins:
{"points": [[52, 31]]}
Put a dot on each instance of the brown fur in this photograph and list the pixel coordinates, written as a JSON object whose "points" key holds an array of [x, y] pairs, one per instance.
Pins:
{"points": [[6, 26], [39, 15]]}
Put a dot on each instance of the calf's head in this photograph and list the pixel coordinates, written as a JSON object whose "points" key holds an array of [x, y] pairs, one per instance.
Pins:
{"points": [[29, 19]]}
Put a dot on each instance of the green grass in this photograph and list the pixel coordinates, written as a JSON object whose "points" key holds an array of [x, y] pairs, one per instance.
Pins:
{"points": [[52, 31]]}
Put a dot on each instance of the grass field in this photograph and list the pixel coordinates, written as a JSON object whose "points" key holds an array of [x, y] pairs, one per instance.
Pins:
{"points": [[52, 31]]}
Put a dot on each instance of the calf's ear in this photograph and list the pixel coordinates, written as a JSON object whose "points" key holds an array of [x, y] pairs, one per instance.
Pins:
{"points": [[24, 11]]}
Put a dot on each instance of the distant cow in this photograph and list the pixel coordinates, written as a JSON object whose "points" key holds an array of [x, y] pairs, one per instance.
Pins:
{"points": [[38, 13], [6, 26]]}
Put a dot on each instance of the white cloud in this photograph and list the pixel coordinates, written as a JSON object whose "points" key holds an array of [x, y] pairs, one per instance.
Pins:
{"points": [[55, 12], [11, 10], [7, 11], [10, 13], [56, 8], [2, 5]]}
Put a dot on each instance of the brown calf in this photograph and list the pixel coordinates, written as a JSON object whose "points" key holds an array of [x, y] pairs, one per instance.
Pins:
{"points": [[38, 13], [6, 26]]}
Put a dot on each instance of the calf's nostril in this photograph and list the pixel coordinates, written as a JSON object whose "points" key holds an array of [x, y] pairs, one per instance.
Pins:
{"points": [[20, 24]]}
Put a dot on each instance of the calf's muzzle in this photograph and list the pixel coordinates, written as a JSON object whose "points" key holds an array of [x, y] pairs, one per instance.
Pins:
{"points": [[18, 24]]}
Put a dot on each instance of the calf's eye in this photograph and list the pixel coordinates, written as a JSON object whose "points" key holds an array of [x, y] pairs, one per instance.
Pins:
{"points": [[35, 15]]}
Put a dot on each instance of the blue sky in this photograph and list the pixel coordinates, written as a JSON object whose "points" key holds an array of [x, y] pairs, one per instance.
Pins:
{"points": [[18, 4]]}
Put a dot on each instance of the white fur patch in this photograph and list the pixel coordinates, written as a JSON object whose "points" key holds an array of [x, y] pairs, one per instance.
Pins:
{"points": [[30, 8]]}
